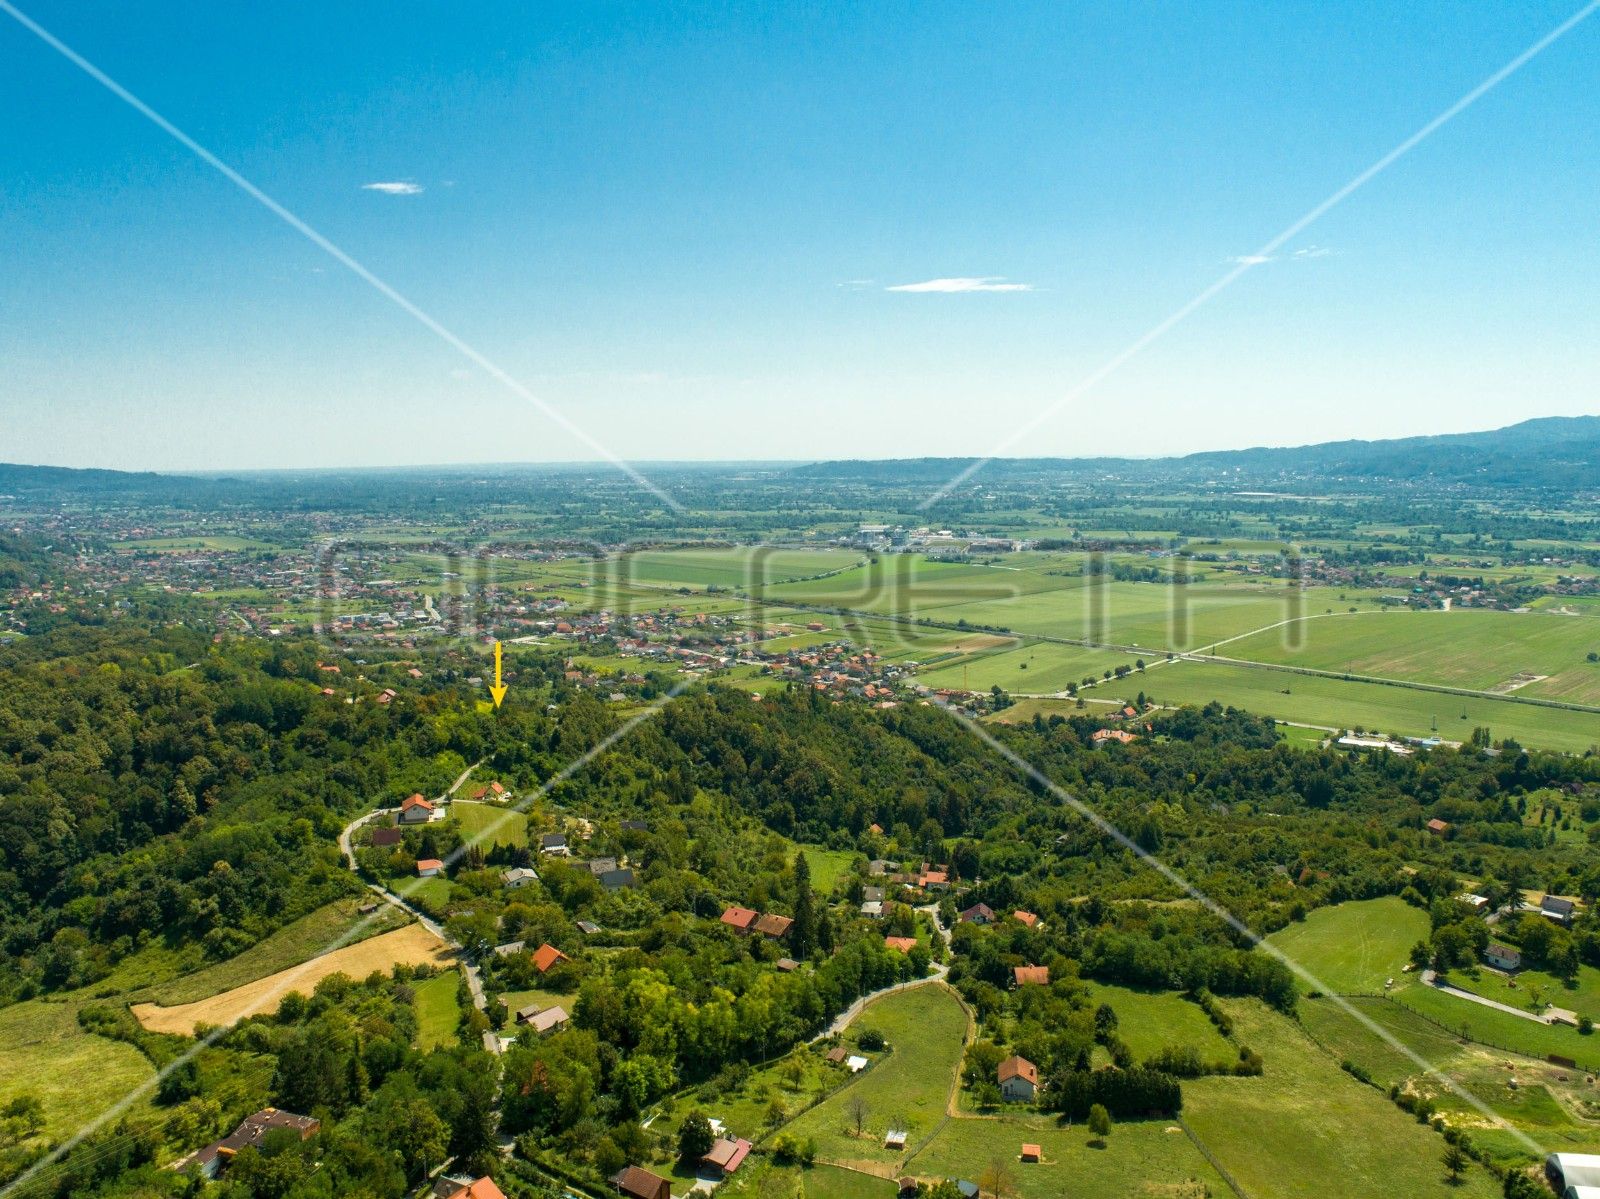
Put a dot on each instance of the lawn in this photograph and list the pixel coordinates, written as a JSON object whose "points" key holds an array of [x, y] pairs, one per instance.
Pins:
{"points": [[1145, 1157], [438, 1013], [1530, 985], [828, 866], [489, 824], [760, 1178], [1306, 1128], [1491, 1026], [1040, 666], [908, 1087], [1354, 948], [1149, 1021]]}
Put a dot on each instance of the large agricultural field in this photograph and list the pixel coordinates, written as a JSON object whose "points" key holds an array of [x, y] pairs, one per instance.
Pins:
{"points": [[1037, 624]]}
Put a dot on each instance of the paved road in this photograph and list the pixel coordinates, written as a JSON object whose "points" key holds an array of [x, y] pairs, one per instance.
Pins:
{"points": [[347, 850], [1431, 979], [845, 1018]]}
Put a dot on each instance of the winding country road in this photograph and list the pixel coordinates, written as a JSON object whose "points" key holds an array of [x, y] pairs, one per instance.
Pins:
{"points": [[396, 899], [940, 971]]}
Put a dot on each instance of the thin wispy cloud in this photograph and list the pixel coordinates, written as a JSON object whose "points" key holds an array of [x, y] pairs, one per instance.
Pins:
{"points": [[1297, 255], [950, 286], [396, 187]]}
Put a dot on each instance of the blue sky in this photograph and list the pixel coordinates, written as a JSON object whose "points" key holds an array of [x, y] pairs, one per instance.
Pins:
{"points": [[683, 227]]}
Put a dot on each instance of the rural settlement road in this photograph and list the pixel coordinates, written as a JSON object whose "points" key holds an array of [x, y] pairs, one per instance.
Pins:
{"points": [[347, 851], [1431, 979], [845, 1018]]}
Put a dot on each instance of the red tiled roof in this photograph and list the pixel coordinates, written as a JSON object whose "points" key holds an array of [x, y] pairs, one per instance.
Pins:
{"points": [[1018, 1067], [546, 956], [739, 918], [903, 944], [1032, 976], [773, 926]]}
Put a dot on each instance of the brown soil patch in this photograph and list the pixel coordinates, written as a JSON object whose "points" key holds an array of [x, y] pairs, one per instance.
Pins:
{"points": [[412, 945]]}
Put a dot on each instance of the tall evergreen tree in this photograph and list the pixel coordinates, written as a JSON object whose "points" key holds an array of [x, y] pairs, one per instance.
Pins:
{"points": [[803, 934]]}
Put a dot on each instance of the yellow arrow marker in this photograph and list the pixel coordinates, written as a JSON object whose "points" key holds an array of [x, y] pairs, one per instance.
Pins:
{"points": [[499, 689]]}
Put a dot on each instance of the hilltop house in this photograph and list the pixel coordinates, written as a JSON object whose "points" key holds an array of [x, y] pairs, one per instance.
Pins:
{"points": [[1019, 1079], [416, 810]]}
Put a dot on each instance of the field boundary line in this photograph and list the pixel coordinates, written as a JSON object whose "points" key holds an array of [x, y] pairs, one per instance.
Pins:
{"points": [[1216, 1165]]}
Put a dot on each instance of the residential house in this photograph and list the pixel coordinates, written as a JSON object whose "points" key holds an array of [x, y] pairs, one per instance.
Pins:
{"points": [[416, 810], [873, 909], [518, 877], [1019, 1079], [638, 1183], [1438, 827], [1555, 908], [547, 956], [1027, 918], [386, 838], [740, 920], [787, 965], [252, 1131], [1103, 736], [428, 867], [1503, 957], [978, 913], [773, 926], [476, 1188], [599, 866], [1030, 976], [726, 1155], [544, 1021], [554, 845], [837, 1054], [872, 894], [616, 880], [903, 944]]}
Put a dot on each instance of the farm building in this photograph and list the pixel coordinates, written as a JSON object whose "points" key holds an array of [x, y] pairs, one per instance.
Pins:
{"points": [[1018, 1078], [1555, 908], [1572, 1173], [895, 1138], [1030, 1152]]}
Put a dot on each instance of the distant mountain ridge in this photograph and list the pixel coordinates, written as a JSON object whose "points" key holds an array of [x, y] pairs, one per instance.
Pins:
{"points": [[1550, 451], [1560, 452]]}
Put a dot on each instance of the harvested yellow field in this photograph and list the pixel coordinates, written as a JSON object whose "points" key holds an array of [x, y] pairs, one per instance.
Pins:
{"points": [[411, 945]]}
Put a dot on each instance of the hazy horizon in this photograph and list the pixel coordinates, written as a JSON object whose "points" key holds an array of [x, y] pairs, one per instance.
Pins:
{"points": [[747, 234]]}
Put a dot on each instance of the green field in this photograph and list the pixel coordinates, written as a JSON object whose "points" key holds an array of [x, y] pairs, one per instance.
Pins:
{"points": [[438, 1013], [489, 824], [1477, 649], [828, 866], [1354, 948], [1307, 1129], [1338, 703], [907, 1087], [1490, 1026], [1479, 1078], [1149, 1021], [1040, 666], [1144, 1157], [332, 926], [1535, 985], [76, 1075]]}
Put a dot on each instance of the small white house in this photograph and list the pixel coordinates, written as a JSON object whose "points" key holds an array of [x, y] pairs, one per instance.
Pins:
{"points": [[518, 877], [1503, 957], [1019, 1079]]}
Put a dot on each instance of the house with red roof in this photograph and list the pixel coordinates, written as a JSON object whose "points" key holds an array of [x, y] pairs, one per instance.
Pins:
{"points": [[740, 920]]}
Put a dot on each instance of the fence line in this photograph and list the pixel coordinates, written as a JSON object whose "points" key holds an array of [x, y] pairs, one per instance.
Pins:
{"points": [[1462, 1035], [1216, 1165]]}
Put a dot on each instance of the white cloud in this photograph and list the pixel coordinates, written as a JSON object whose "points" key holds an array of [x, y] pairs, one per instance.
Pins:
{"points": [[1312, 252], [394, 188], [986, 283], [1249, 259]]}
